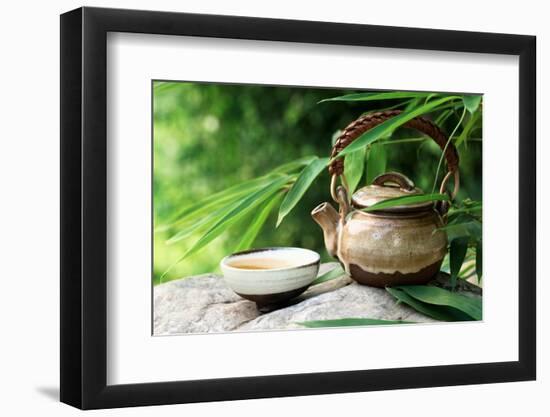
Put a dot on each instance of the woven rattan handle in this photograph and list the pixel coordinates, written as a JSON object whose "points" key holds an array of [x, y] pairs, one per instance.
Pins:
{"points": [[423, 125]]}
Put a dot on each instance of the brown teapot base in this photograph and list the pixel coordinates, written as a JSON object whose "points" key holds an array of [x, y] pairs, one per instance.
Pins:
{"points": [[382, 280]]}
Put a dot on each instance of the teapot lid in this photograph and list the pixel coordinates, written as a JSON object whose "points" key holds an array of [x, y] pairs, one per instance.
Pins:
{"points": [[386, 186]]}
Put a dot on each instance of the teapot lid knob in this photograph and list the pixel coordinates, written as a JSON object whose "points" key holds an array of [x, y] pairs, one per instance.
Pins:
{"points": [[404, 182], [387, 186]]}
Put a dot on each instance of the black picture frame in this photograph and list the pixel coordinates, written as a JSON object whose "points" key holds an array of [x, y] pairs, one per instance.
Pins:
{"points": [[84, 207]]}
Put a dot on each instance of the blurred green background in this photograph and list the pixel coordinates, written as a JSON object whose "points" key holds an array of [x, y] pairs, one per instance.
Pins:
{"points": [[207, 137]]}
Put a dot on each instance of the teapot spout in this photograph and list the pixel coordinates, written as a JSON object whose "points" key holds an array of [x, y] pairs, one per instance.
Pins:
{"points": [[327, 217]]}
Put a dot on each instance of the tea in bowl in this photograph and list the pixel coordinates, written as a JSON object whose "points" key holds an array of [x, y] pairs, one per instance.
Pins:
{"points": [[270, 275]]}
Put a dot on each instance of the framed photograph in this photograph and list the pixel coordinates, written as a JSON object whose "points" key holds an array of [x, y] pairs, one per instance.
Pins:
{"points": [[258, 208]]}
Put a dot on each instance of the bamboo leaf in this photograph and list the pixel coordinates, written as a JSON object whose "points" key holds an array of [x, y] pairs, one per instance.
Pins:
{"points": [[471, 102], [237, 212], [376, 96], [350, 322], [207, 214], [293, 165], [467, 266], [445, 264], [470, 229], [404, 104], [442, 117], [414, 102], [231, 217], [439, 164], [434, 311], [467, 270], [391, 124], [353, 168], [406, 200], [457, 253], [204, 221], [337, 272], [304, 181], [438, 296], [197, 209], [252, 231], [474, 209], [431, 95], [467, 129], [376, 160]]}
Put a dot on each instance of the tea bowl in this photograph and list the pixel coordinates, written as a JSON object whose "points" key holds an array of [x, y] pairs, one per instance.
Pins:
{"points": [[270, 276]]}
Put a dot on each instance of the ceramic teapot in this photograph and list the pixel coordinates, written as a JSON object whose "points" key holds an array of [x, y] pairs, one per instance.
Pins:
{"points": [[395, 246]]}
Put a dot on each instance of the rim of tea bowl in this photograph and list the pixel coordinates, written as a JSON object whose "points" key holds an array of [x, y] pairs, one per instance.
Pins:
{"points": [[275, 285]]}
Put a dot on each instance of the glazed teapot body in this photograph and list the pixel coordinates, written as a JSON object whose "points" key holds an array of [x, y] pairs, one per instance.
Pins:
{"points": [[398, 245], [383, 250]]}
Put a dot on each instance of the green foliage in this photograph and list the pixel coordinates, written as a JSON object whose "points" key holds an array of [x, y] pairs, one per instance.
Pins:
{"points": [[438, 303], [231, 161], [457, 254], [304, 181], [471, 103], [354, 165], [430, 310], [294, 165], [350, 322], [330, 275], [471, 208], [377, 159], [439, 296], [440, 163], [257, 224], [209, 140], [406, 200], [378, 96], [390, 125], [479, 261], [464, 232], [463, 228], [208, 210], [473, 123], [233, 214]]}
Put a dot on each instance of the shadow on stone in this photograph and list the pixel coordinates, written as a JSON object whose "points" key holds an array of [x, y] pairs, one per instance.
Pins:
{"points": [[312, 291]]}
